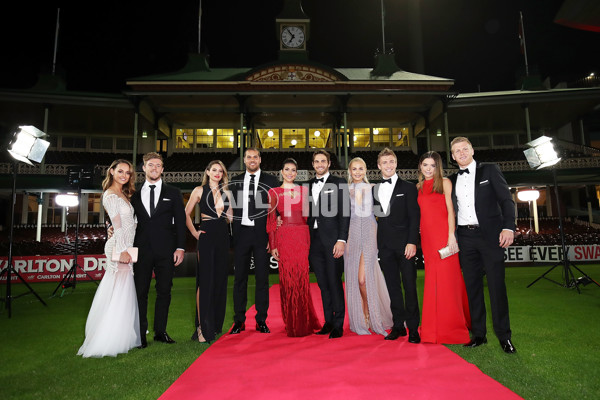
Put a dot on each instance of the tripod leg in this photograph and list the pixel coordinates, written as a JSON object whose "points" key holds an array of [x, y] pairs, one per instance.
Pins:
{"points": [[64, 279], [88, 275], [584, 274], [14, 271], [543, 275]]}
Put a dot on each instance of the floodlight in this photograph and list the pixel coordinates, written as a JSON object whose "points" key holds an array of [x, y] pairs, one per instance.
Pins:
{"points": [[67, 200], [28, 145], [528, 195], [541, 153]]}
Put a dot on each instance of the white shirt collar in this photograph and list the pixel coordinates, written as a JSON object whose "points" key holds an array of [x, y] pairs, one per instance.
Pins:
{"points": [[325, 177], [471, 167], [157, 183]]}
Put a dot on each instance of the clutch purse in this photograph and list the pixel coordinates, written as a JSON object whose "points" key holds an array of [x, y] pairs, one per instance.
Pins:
{"points": [[446, 252], [133, 252]]}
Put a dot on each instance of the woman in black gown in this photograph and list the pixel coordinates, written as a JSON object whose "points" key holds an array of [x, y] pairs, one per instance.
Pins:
{"points": [[213, 250]]}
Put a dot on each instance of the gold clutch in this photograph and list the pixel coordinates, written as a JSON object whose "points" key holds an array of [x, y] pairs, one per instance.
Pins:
{"points": [[446, 252], [133, 252]]}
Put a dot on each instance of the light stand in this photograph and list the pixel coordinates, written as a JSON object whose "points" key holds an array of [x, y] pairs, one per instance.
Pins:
{"points": [[70, 278], [542, 155], [27, 146]]}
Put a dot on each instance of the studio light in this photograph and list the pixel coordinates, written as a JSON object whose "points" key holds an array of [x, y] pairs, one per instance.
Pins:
{"points": [[528, 195], [541, 153], [28, 145], [67, 200]]}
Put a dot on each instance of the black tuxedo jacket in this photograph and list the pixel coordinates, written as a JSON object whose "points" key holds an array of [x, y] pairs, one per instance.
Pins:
{"points": [[164, 232], [494, 206], [332, 210], [400, 224], [265, 182]]}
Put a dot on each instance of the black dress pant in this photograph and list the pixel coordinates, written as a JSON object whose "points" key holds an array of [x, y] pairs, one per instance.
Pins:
{"points": [[400, 272], [479, 257], [211, 277], [328, 271], [251, 242], [164, 270]]}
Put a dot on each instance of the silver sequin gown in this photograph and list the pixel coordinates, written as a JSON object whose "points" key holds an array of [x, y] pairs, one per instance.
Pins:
{"points": [[362, 239]]}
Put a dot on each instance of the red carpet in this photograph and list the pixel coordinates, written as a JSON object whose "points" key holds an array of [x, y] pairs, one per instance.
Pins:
{"points": [[273, 366]]}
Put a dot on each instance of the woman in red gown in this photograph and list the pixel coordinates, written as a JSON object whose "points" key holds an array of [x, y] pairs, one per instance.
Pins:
{"points": [[446, 317], [289, 244]]}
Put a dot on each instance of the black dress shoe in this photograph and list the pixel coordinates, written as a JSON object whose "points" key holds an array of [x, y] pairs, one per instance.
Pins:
{"points": [[413, 337], [476, 341], [163, 337], [144, 343], [326, 329], [336, 333], [395, 333], [507, 346], [262, 327], [237, 328]]}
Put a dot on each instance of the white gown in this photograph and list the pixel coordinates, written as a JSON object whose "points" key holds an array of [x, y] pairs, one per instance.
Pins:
{"points": [[113, 325]]}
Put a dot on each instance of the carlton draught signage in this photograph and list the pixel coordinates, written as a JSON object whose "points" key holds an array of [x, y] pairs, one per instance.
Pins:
{"points": [[54, 268]]}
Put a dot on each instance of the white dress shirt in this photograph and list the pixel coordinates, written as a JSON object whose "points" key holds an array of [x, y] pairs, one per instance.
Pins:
{"points": [[465, 196], [385, 193], [245, 220], [316, 191], [145, 194]]}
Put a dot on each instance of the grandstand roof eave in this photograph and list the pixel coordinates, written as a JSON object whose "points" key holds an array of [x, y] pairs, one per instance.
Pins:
{"points": [[66, 97], [510, 96]]}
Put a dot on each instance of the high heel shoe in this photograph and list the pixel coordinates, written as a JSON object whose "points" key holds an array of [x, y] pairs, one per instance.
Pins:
{"points": [[368, 321], [197, 336]]}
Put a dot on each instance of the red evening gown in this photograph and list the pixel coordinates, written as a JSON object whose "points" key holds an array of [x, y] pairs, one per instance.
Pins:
{"points": [[446, 317], [292, 240]]}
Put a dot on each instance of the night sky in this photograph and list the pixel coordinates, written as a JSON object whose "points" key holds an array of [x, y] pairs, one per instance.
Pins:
{"points": [[474, 42]]}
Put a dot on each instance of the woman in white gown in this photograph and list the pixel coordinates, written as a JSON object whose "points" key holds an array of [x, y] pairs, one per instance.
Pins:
{"points": [[112, 325]]}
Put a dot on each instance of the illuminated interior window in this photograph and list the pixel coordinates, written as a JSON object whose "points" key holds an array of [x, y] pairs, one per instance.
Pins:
{"points": [[184, 138], [204, 138], [381, 137], [225, 138], [400, 137], [294, 138], [268, 138]]}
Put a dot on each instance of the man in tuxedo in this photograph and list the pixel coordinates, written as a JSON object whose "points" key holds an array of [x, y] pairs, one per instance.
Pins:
{"points": [[160, 237], [485, 215], [328, 221], [398, 216], [250, 239]]}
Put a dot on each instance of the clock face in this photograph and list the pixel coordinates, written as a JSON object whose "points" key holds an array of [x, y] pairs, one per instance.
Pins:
{"points": [[292, 36]]}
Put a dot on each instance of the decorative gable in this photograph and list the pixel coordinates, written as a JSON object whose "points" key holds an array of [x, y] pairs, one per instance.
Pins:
{"points": [[292, 73]]}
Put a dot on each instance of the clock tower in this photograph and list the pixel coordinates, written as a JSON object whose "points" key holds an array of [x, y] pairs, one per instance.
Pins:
{"points": [[293, 29]]}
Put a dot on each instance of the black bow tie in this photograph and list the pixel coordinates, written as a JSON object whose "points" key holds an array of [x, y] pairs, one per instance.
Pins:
{"points": [[319, 180], [463, 171], [389, 180]]}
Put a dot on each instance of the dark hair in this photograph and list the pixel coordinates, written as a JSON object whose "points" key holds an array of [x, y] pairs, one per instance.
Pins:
{"points": [[129, 187], [289, 161], [438, 175], [321, 151], [252, 149]]}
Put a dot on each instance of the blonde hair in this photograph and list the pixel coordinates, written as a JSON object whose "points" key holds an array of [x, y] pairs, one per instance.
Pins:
{"points": [[386, 152], [357, 160], [151, 155], [129, 187], [224, 179], [459, 139], [438, 173]]}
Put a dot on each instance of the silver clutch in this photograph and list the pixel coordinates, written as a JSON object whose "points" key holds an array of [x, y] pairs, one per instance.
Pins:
{"points": [[446, 252]]}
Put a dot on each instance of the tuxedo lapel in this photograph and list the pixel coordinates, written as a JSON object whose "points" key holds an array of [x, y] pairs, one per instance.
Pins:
{"points": [[478, 172], [160, 199]]}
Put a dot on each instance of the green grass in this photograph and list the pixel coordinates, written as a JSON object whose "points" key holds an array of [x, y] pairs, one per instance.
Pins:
{"points": [[555, 331]]}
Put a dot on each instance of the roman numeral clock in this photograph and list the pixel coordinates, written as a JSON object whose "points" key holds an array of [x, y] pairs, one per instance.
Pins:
{"points": [[293, 32]]}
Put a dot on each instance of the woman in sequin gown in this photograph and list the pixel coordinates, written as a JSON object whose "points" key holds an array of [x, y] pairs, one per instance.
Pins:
{"points": [[289, 243], [366, 292], [112, 325], [446, 317]]}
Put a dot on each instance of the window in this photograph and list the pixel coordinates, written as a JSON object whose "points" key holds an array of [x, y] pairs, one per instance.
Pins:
{"points": [[225, 138], [184, 138], [72, 142], [362, 137], [381, 137], [101, 143], [400, 137], [205, 138], [294, 138], [269, 138], [124, 144]]}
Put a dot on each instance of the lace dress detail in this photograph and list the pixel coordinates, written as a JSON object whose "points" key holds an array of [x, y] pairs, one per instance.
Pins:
{"points": [[292, 240], [112, 325], [362, 239]]}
